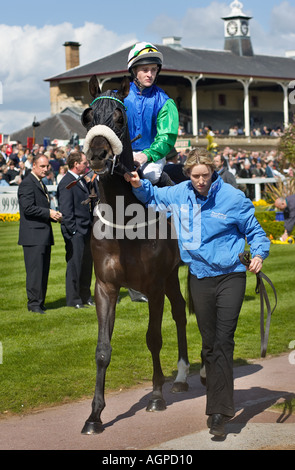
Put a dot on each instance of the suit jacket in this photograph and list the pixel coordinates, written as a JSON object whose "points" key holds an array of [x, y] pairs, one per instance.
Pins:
{"points": [[174, 170], [35, 225], [77, 217]]}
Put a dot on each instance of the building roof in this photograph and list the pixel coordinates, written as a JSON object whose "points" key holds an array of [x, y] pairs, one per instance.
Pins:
{"points": [[60, 126], [193, 61]]}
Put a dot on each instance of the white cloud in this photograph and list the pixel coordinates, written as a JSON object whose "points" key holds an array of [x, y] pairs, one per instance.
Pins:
{"points": [[203, 28], [16, 120], [30, 54], [282, 18]]}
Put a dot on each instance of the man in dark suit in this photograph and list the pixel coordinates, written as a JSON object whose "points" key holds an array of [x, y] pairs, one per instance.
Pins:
{"points": [[173, 168], [35, 232], [76, 229]]}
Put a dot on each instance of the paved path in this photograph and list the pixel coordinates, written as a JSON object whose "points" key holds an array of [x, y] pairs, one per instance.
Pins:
{"points": [[181, 427]]}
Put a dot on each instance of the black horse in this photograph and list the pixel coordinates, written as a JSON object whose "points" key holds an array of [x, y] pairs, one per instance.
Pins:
{"points": [[146, 264]]}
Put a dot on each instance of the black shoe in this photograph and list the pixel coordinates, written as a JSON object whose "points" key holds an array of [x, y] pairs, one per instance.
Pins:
{"points": [[90, 303], [80, 306], [217, 425], [43, 307], [36, 310]]}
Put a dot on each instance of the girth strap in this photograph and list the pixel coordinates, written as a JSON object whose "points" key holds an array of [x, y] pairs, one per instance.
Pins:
{"points": [[260, 289]]}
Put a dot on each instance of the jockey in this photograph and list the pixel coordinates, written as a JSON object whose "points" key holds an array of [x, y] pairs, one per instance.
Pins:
{"points": [[150, 111]]}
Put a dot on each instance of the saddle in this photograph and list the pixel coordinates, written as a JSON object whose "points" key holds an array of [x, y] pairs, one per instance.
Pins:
{"points": [[245, 259]]}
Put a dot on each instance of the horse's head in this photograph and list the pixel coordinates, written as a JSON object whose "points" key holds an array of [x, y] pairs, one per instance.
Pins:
{"points": [[106, 123]]}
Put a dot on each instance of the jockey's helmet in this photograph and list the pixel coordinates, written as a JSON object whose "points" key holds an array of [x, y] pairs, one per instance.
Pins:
{"points": [[144, 53]]}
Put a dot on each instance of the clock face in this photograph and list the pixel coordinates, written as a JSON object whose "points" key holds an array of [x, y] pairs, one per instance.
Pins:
{"points": [[244, 28], [232, 28]]}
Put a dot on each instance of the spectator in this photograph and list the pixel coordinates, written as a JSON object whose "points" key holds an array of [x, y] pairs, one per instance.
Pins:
{"points": [[3, 181], [287, 206], [12, 172], [232, 167], [35, 233], [76, 230], [29, 162], [220, 165], [247, 173], [62, 171], [57, 159], [174, 169], [269, 169], [49, 178], [258, 171], [3, 155]]}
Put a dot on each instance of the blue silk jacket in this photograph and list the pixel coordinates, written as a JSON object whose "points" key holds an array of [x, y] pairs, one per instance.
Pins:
{"points": [[154, 115]]}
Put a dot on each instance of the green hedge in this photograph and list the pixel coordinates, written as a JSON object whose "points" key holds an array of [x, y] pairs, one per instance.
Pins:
{"points": [[270, 225]]}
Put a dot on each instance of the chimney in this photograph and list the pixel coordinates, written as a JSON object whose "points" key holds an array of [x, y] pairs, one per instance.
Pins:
{"points": [[172, 41], [72, 54], [290, 54]]}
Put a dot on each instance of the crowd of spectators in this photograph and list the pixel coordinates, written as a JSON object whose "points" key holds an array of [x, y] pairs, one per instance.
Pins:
{"points": [[251, 164], [16, 162], [239, 131]]}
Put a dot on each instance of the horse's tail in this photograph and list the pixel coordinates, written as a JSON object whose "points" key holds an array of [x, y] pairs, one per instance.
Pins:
{"points": [[189, 299]]}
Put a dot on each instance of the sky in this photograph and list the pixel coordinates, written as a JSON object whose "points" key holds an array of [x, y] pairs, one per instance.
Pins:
{"points": [[32, 38]]}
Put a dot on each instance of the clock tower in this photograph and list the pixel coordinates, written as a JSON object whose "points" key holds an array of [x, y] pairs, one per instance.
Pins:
{"points": [[237, 31]]}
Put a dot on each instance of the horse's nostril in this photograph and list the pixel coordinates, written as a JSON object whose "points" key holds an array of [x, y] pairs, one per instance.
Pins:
{"points": [[99, 155]]}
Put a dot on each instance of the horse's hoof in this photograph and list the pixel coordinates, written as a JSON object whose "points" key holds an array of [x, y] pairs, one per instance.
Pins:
{"points": [[92, 428], [156, 405], [179, 387]]}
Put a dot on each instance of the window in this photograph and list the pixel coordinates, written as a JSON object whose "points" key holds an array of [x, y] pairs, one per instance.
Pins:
{"points": [[254, 102], [222, 99]]}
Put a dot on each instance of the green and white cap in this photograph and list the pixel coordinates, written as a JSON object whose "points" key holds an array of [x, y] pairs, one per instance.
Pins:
{"points": [[144, 53]]}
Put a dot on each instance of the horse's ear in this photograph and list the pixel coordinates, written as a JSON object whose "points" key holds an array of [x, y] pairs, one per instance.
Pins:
{"points": [[87, 117], [124, 89], [94, 89]]}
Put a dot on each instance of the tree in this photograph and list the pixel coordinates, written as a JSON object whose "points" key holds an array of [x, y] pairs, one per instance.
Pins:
{"points": [[287, 145]]}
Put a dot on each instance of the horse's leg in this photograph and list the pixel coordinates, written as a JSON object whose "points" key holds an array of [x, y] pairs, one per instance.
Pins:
{"points": [[177, 302], [105, 298], [154, 343]]}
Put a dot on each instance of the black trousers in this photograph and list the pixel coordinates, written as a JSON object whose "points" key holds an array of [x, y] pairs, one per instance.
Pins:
{"points": [[217, 304], [37, 263], [79, 269]]}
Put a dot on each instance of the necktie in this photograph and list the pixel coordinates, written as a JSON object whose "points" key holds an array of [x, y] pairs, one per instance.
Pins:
{"points": [[44, 189]]}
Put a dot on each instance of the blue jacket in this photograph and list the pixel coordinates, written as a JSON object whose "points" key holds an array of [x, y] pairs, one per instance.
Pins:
{"points": [[211, 230], [142, 113]]}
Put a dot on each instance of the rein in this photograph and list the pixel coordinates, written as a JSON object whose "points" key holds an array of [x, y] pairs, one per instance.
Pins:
{"points": [[123, 227], [260, 289]]}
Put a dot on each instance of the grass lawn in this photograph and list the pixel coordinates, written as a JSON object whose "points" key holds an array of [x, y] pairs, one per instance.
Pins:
{"points": [[49, 359]]}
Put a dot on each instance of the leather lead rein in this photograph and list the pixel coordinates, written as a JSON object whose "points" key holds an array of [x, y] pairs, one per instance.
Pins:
{"points": [[245, 259]]}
